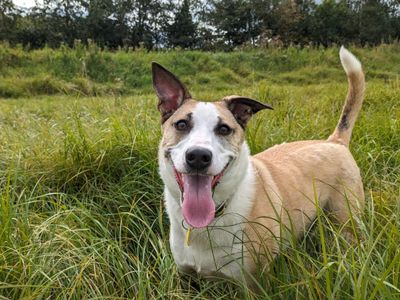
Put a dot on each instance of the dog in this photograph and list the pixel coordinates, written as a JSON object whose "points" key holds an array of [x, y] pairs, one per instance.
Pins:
{"points": [[229, 211]]}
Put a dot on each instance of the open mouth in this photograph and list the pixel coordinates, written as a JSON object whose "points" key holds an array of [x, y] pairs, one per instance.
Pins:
{"points": [[198, 207]]}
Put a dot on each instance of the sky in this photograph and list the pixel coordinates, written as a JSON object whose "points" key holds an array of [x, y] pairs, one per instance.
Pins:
{"points": [[25, 3]]}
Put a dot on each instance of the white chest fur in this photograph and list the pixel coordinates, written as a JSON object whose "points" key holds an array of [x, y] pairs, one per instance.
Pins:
{"points": [[219, 248]]}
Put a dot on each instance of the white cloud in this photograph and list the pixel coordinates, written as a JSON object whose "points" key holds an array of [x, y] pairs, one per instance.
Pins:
{"points": [[25, 3]]}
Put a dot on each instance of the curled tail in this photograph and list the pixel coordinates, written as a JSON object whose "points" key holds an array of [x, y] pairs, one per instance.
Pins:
{"points": [[354, 99]]}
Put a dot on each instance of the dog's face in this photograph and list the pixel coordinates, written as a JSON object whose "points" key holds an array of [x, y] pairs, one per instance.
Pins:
{"points": [[200, 141]]}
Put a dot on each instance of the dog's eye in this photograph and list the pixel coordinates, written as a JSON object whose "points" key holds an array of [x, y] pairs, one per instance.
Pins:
{"points": [[182, 125], [224, 129]]}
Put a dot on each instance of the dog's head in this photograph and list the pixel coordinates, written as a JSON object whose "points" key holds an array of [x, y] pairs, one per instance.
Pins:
{"points": [[200, 141]]}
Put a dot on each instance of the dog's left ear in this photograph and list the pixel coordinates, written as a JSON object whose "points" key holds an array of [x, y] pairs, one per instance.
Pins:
{"points": [[244, 108], [170, 91]]}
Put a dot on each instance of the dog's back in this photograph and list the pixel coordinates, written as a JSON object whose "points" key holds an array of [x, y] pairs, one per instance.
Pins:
{"points": [[304, 172]]}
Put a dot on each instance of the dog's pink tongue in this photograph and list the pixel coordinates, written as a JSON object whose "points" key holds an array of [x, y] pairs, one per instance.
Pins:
{"points": [[198, 206]]}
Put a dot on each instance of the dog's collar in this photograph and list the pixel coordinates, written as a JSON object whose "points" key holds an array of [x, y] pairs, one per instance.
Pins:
{"points": [[221, 208]]}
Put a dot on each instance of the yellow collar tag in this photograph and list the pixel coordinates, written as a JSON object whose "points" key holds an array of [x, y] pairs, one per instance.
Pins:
{"points": [[187, 239]]}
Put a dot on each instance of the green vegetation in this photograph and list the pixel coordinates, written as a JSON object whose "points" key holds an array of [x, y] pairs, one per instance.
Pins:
{"points": [[81, 212]]}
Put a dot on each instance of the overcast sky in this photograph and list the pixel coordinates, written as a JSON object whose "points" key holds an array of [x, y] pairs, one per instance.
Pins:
{"points": [[25, 3]]}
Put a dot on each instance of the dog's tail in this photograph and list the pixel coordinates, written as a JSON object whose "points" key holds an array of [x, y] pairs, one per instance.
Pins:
{"points": [[354, 99]]}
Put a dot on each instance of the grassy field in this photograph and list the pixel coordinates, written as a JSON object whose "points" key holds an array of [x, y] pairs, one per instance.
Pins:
{"points": [[81, 212]]}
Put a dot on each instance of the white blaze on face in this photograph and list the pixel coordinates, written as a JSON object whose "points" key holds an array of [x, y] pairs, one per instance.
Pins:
{"points": [[204, 120], [198, 207]]}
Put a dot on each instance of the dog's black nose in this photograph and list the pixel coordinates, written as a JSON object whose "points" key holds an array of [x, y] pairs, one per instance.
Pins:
{"points": [[198, 158]]}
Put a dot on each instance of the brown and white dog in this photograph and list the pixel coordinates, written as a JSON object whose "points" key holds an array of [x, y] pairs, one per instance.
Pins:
{"points": [[229, 211]]}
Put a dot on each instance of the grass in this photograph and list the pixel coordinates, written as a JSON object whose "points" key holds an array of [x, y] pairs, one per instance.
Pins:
{"points": [[81, 207]]}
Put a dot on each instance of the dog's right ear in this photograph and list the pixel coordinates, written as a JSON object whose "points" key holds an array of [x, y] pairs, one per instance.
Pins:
{"points": [[170, 91]]}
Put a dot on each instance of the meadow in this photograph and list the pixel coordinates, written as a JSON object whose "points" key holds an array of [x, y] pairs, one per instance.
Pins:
{"points": [[81, 210]]}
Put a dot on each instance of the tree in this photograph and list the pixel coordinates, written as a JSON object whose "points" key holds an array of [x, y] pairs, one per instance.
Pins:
{"points": [[100, 24], [288, 21], [304, 26], [146, 19], [334, 22], [235, 20], [182, 32], [203, 24], [375, 22], [394, 10], [7, 19], [59, 20]]}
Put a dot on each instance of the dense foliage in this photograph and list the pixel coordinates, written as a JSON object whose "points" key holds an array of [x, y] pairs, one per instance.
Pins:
{"points": [[201, 24]]}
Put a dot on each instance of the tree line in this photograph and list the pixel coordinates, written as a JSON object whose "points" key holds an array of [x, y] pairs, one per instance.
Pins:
{"points": [[200, 24]]}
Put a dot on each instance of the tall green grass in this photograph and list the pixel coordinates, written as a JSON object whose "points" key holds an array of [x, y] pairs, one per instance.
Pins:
{"points": [[81, 212], [89, 71]]}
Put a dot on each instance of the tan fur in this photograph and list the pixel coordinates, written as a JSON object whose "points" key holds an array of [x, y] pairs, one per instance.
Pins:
{"points": [[172, 137], [236, 139], [291, 182], [290, 177], [352, 107]]}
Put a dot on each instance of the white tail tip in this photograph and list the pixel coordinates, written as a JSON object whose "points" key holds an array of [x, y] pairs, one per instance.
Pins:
{"points": [[350, 63]]}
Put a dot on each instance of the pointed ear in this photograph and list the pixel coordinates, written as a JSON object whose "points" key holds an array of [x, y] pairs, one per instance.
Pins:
{"points": [[244, 108], [170, 91]]}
